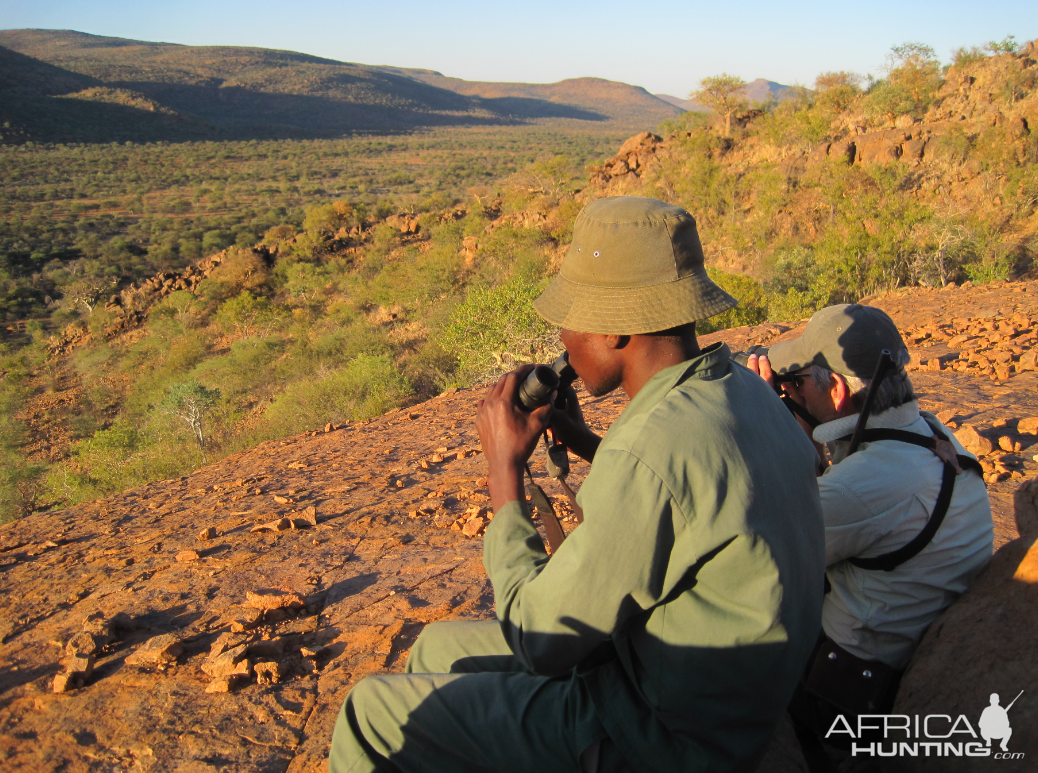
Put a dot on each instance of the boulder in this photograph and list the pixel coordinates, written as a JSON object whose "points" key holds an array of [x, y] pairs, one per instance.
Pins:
{"points": [[879, 150], [638, 143], [845, 150], [913, 150], [983, 644], [1025, 505]]}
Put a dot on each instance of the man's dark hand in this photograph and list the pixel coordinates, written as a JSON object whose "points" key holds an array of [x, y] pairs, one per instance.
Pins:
{"points": [[570, 429], [508, 435]]}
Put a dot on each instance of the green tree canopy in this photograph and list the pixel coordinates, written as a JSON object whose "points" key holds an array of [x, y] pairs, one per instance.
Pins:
{"points": [[723, 94], [191, 401]]}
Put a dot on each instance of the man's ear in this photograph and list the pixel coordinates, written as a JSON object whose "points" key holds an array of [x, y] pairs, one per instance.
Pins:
{"points": [[617, 341], [841, 396]]}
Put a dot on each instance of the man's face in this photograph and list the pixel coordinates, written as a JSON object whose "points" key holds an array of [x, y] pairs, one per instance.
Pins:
{"points": [[819, 402], [594, 360]]}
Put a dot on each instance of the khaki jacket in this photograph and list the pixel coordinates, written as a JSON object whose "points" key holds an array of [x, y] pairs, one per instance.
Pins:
{"points": [[874, 502]]}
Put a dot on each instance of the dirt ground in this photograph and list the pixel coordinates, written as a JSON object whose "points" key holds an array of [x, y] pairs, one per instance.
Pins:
{"points": [[282, 575]]}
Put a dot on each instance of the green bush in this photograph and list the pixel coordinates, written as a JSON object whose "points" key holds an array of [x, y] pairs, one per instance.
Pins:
{"points": [[122, 457], [19, 478], [367, 386], [752, 308], [247, 315], [496, 329]]}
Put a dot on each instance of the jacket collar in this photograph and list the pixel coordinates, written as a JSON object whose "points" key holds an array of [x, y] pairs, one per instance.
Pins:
{"points": [[705, 365], [894, 418]]}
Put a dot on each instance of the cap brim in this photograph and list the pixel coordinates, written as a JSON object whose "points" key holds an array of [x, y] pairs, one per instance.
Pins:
{"points": [[632, 310], [789, 356]]}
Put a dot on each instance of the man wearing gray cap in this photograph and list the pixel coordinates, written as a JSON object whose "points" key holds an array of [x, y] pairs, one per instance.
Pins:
{"points": [[907, 518], [670, 628]]}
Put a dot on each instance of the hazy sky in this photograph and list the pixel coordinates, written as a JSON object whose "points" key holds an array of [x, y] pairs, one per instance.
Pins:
{"points": [[665, 46]]}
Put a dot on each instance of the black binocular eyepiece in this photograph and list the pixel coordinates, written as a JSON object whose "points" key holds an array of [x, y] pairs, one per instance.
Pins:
{"points": [[536, 390]]}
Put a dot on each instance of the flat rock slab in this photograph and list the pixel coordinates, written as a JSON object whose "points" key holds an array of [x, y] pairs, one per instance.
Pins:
{"points": [[315, 608]]}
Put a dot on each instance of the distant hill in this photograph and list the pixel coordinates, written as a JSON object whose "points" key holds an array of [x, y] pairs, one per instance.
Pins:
{"points": [[619, 101], [756, 91], [61, 85]]}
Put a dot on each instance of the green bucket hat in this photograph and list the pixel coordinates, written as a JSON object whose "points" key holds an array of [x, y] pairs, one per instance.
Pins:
{"points": [[847, 339], [635, 266]]}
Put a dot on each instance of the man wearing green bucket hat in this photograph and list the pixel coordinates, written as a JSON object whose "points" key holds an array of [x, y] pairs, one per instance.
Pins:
{"points": [[669, 629]]}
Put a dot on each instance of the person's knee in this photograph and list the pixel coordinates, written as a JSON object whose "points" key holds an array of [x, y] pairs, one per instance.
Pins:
{"points": [[427, 651], [349, 744], [358, 725]]}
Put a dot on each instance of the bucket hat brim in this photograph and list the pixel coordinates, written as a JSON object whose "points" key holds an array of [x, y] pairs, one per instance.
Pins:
{"points": [[632, 310]]}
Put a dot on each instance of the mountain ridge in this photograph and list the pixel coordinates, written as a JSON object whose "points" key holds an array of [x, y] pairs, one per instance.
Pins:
{"points": [[245, 92]]}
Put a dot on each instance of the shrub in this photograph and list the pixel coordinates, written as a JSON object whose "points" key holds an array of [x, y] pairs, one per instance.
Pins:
{"points": [[242, 269], [368, 386], [247, 315], [496, 329], [752, 308]]}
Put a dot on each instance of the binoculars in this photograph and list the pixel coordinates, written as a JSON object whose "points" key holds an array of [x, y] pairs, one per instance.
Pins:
{"points": [[536, 390], [741, 358]]}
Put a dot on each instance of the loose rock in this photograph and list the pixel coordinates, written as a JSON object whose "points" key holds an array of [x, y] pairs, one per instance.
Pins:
{"points": [[158, 650], [973, 441], [279, 598], [230, 663], [268, 672]]}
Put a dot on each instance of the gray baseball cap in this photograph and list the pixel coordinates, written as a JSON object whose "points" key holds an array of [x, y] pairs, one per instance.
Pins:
{"points": [[847, 339]]}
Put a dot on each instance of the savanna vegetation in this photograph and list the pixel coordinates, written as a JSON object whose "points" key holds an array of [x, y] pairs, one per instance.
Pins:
{"points": [[322, 311], [75, 213]]}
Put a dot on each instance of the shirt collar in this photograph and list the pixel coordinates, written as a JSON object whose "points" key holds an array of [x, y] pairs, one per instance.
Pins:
{"points": [[703, 366], [894, 418]]}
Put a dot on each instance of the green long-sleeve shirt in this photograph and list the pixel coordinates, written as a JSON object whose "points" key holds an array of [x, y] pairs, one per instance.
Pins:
{"points": [[700, 561]]}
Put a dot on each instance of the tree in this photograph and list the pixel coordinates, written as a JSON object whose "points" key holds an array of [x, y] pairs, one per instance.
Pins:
{"points": [[87, 292], [191, 401], [914, 67], [836, 91], [1007, 45], [722, 94]]}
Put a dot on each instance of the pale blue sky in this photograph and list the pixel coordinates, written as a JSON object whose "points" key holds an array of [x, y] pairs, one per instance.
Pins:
{"points": [[665, 46]]}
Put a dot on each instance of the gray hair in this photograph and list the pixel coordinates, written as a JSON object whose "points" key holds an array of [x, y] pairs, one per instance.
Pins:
{"points": [[895, 390]]}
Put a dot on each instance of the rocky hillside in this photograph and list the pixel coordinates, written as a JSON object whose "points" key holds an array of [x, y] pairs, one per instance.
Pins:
{"points": [[866, 197], [121, 89], [215, 621]]}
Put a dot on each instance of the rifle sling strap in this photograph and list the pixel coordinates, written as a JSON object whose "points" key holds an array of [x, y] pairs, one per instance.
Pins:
{"points": [[954, 464]]}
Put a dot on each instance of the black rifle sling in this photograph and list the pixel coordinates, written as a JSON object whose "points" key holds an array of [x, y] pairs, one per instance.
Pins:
{"points": [[890, 561]]}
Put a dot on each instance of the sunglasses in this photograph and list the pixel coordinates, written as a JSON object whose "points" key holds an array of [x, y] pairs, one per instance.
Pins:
{"points": [[796, 379]]}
